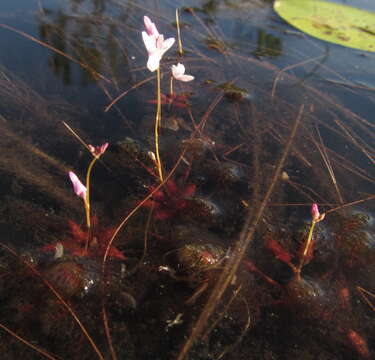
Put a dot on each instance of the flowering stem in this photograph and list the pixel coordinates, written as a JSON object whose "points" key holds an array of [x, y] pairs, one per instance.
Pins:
{"points": [[87, 202], [180, 51], [157, 125], [306, 249], [171, 85]]}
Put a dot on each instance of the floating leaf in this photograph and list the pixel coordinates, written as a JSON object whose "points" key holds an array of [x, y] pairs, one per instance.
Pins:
{"points": [[336, 23]]}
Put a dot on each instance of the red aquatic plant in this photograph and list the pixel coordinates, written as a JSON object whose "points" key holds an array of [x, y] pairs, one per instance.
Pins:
{"points": [[74, 244], [178, 100], [309, 296], [278, 251], [170, 200]]}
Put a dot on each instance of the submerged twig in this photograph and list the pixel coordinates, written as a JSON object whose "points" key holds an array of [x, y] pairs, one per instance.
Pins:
{"points": [[114, 101], [327, 162], [350, 204], [289, 67], [243, 332], [108, 333], [222, 314], [364, 293], [29, 344], [239, 250]]}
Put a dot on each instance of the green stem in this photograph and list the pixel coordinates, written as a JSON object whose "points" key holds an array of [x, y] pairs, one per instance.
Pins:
{"points": [[180, 51], [87, 202], [306, 249], [157, 125], [171, 85]]}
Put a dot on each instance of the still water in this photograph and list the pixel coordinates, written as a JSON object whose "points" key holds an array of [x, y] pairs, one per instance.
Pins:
{"points": [[274, 121]]}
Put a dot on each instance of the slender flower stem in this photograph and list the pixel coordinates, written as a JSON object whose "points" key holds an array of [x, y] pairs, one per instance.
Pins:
{"points": [[306, 249], [157, 125], [180, 51], [171, 85], [170, 93], [87, 202]]}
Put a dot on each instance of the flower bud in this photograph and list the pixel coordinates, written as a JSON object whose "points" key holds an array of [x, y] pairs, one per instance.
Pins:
{"points": [[315, 214], [79, 189]]}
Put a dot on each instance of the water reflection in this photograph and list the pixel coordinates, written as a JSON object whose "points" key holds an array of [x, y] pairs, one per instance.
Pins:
{"points": [[86, 32], [211, 7], [268, 45], [98, 6]]}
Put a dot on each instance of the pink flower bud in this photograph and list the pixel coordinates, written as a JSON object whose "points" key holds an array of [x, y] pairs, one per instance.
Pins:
{"points": [[79, 188], [98, 150], [150, 27], [155, 44], [316, 216]]}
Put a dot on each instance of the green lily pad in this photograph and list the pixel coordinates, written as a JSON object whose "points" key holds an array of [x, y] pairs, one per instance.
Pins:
{"points": [[336, 23]]}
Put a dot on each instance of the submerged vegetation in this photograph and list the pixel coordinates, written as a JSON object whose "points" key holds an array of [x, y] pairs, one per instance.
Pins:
{"points": [[226, 215]]}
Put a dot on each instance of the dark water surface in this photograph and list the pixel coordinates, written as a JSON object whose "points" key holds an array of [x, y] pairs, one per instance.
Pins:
{"points": [[64, 62]]}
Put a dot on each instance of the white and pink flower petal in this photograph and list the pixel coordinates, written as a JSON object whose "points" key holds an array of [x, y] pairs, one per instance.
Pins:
{"points": [[79, 189]]}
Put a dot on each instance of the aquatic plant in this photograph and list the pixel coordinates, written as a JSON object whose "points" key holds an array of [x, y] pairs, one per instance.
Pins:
{"points": [[209, 248], [84, 191], [75, 243], [173, 99], [171, 200], [156, 47], [316, 217], [310, 296]]}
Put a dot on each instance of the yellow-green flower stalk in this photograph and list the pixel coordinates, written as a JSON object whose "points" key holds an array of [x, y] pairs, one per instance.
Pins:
{"points": [[83, 191], [316, 217], [156, 46]]}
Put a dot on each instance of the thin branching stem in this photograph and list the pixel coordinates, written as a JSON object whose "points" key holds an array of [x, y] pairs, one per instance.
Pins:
{"points": [[157, 126], [364, 293], [230, 348], [87, 202], [108, 333], [371, 197], [28, 343], [75, 134]]}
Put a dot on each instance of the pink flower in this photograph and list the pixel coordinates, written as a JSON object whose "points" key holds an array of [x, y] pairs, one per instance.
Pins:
{"points": [[79, 188], [155, 44], [150, 27], [97, 151], [316, 215], [178, 72]]}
